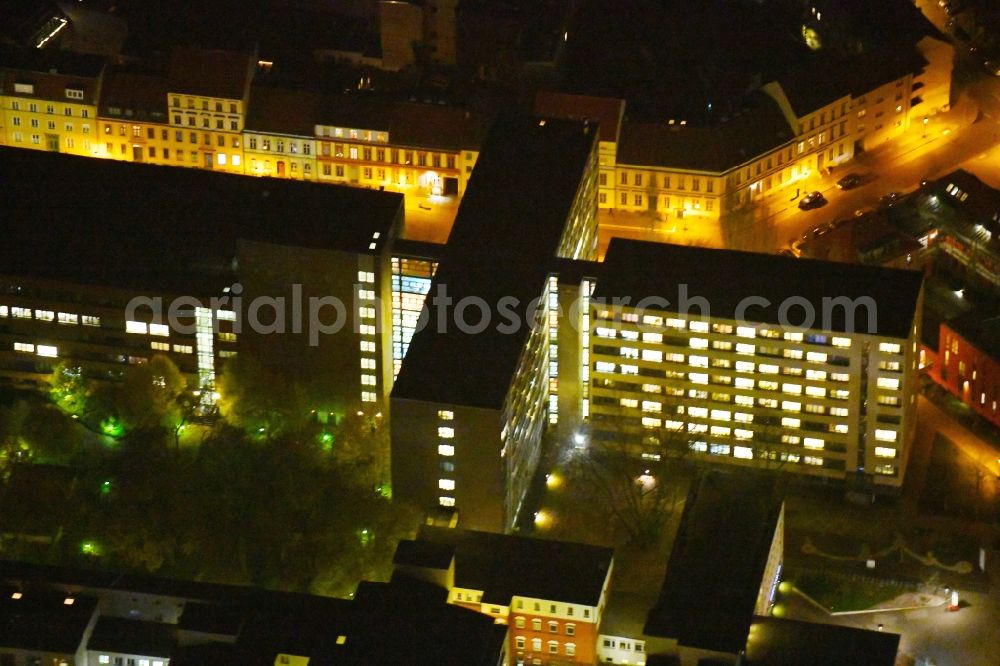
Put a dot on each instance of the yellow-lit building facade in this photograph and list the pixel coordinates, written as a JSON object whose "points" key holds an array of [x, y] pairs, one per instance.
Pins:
{"points": [[51, 105]]}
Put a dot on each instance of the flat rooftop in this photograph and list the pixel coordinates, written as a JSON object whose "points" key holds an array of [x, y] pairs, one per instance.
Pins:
{"points": [[505, 565], [726, 277], [168, 229], [780, 642], [505, 236], [717, 562]]}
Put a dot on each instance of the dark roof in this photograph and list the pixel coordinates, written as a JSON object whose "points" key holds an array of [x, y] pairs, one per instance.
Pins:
{"points": [[756, 130], [506, 565], [142, 95], [208, 73], [195, 217], [283, 111], [779, 642], [50, 72], [811, 87], [211, 618], [981, 328], [726, 277], [506, 232], [425, 554], [115, 634], [717, 562], [435, 126], [606, 111], [41, 621], [410, 622]]}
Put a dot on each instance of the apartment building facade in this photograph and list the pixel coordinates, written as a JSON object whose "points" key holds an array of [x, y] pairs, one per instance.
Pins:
{"points": [[828, 400], [552, 615]]}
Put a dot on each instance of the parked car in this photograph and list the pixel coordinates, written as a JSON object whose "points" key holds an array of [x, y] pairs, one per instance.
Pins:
{"points": [[812, 200], [889, 200], [850, 181]]}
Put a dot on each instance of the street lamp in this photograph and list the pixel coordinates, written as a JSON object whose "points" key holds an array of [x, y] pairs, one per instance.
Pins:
{"points": [[925, 126]]}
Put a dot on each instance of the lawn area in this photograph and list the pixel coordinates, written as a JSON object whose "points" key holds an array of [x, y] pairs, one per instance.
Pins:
{"points": [[839, 595]]}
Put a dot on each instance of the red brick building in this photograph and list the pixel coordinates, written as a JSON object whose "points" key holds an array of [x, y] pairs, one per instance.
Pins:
{"points": [[969, 361]]}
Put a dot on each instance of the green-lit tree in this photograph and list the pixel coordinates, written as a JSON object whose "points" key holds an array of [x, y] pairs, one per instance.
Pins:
{"points": [[68, 388], [261, 400]]}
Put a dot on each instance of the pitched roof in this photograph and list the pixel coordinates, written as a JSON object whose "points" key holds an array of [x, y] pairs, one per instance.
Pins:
{"points": [[758, 129], [827, 79], [725, 278], [606, 111], [140, 96], [50, 73], [503, 566], [115, 634], [717, 562], [41, 621], [223, 74], [283, 111]]}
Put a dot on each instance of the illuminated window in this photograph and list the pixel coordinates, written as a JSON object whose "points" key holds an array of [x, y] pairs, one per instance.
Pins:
{"points": [[367, 346], [650, 422], [652, 355], [652, 337], [839, 376], [698, 361], [790, 406], [744, 383], [816, 375], [366, 276], [675, 323], [44, 315], [889, 347], [446, 501], [367, 396], [604, 366], [446, 415], [720, 431], [629, 369], [838, 411], [746, 332], [21, 313], [163, 330], [160, 346], [446, 484], [744, 400], [888, 383], [843, 343], [652, 388], [793, 337], [813, 443], [185, 349], [446, 450], [792, 353], [789, 422], [721, 415], [812, 460], [885, 435], [744, 452], [368, 380], [446, 432], [24, 347], [767, 369], [699, 326], [794, 389], [135, 327], [367, 364], [47, 350], [698, 377], [699, 343], [815, 391], [743, 348], [816, 357], [628, 402], [885, 452], [366, 329], [4, 310], [67, 318]]}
